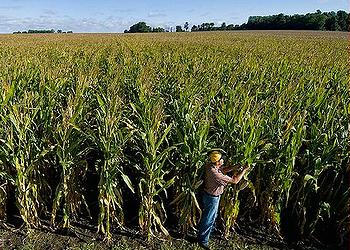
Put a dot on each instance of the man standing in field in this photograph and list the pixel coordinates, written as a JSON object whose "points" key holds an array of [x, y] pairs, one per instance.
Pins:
{"points": [[214, 182]]}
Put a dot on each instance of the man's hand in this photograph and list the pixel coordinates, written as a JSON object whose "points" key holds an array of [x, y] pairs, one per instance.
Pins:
{"points": [[237, 177], [230, 168], [245, 168]]}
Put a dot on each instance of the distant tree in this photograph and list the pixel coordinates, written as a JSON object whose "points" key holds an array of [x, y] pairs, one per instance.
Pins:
{"points": [[223, 26], [186, 26], [158, 29], [206, 26], [194, 28], [309, 21], [243, 26], [280, 21], [179, 28], [316, 21], [41, 31], [343, 20], [229, 27], [203, 27], [69, 31], [140, 27], [211, 26], [331, 22]]}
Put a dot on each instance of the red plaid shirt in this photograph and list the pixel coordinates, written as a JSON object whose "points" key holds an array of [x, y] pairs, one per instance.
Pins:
{"points": [[215, 180]]}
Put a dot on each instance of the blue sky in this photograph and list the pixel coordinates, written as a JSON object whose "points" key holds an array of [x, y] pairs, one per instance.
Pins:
{"points": [[116, 16]]}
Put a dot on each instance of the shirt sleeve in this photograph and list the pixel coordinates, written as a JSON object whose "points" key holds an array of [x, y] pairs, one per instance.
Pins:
{"points": [[220, 178]]}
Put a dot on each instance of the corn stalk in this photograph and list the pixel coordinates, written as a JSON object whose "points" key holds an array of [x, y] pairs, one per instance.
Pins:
{"points": [[70, 151], [110, 137], [152, 134]]}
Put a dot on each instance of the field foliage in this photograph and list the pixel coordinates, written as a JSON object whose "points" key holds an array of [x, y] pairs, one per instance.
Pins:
{"points": [[117, 127]]}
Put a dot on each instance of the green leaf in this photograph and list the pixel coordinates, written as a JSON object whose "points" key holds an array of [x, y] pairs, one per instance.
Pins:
{"points": [[128, 182]]}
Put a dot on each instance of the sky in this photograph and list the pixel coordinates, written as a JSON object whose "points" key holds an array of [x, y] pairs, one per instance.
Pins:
{"points": [[116, 16]]}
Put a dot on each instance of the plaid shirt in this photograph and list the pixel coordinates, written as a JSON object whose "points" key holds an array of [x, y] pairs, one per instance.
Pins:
{"points": [[215, 180]]}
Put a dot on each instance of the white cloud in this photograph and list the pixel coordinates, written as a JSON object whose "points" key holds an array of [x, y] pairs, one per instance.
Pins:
{"points": [[206, 14], [124, 10], [156, 14], [49, 12], [14, 7], [10, 24]]}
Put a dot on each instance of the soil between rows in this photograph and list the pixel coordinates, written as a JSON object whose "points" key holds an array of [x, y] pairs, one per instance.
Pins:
{"points": [[84, 236]]}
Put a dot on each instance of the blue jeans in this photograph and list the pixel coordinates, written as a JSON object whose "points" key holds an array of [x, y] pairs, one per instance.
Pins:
{"points": [[209, 212]]}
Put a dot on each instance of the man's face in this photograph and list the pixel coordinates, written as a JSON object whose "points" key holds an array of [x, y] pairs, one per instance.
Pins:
{"points": [[219, 163]]}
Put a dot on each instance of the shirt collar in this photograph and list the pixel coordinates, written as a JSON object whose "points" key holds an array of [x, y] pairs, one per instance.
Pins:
{"points": [[217, 169]]}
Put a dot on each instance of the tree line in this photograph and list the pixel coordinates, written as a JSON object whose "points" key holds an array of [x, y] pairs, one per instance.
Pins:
{"points": [[311, 21], [334, 21], [42, 31]]}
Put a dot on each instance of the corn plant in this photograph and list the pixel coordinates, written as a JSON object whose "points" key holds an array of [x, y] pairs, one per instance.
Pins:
{"points": [[192, 135], [70, 151], [7, 179], [239, 133], [110, 137], [150, 127], [22, 151]]}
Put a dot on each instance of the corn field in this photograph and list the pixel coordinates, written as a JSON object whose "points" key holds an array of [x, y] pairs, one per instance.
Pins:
{"points": [[132, 117]]}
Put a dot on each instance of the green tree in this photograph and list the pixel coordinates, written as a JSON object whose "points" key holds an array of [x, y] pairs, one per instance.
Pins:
{"points": [[158, 29], [194, 28], [140, 27], [332, 22], [343, 20], [179, 28], [223, 26], [186, 26]]}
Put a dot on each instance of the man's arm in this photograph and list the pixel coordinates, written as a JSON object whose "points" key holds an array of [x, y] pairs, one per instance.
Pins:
{"points": [[228, 169], [236, 178]]}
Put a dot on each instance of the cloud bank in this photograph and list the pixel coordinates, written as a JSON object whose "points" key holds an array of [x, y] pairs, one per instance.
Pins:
{"points": [[48, 20]]}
